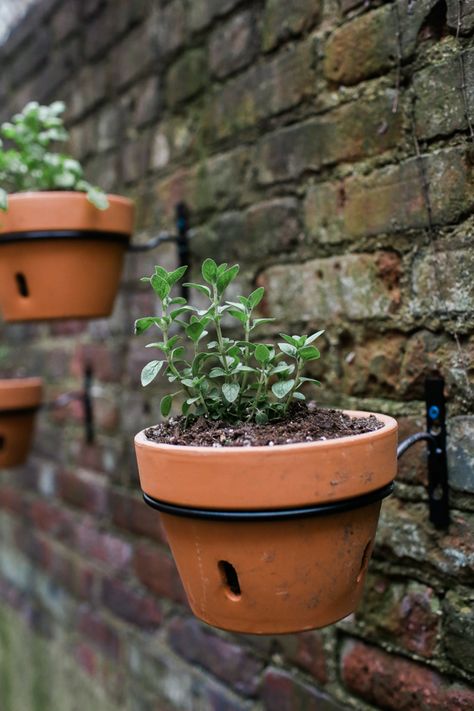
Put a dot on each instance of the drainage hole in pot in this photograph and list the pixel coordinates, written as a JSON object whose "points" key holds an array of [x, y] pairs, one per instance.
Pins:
{"points": [[365, 561], [22, 284], [230, 579], [2, 442]]}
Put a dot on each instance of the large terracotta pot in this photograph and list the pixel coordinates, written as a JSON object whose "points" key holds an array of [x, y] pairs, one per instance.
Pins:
{"points": [[61, 257], [19, 400], [271, 540]]}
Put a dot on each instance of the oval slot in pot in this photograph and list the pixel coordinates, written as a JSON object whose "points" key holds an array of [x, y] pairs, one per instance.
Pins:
{"points": [[230, 579], [22, 285], [2, 442]]}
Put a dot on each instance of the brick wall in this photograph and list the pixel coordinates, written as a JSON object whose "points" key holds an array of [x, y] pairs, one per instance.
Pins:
{"points": [[324, 144]]}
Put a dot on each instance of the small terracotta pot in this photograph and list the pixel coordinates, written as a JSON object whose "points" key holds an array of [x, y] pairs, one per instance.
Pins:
{"points": [[19, 400], [61, 257], [271, 540]]}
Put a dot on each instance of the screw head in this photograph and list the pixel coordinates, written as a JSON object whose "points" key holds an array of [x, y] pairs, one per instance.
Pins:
{"points": [[433, 412]]}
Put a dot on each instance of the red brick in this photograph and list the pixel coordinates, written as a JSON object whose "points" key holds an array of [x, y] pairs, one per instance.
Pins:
{"points": [[99, 632], [82, 491], [130, 513], [155, 568], [11, 499], [306, 650], [49, 518], [106, 362], [86, 658], [112, 551], [282, 692], [397, 684], [131, 605], [223, 658]]}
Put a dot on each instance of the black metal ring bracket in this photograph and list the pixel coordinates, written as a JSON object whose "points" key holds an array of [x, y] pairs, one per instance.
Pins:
{"points": [[435, 436], [181, 238], [334, 507]]}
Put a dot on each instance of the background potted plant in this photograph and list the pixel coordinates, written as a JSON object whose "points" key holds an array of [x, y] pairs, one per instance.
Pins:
{"points": [[20, 399], [270, 508], [62, 240]]}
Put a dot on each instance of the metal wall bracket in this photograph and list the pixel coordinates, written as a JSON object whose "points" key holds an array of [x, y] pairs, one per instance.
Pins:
{"points": [[435, 436], [85, 397], [181, 238]]}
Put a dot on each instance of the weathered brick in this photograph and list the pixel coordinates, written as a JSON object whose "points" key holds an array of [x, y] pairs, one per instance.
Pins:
{"points": [[282, 692], [406, 615], [187, 76], [133, 56], [169, 28], [460, 445], [307, 651], [396, 683], [90, 90], [266, 89], [225, 659], [351, 132], [356, 286], [324, 213], [459, 628], [460, 16], [282, 20], [454, 295], [114, 552], [405, 534], [234, 45], [155, 568], [99, 632], [130, 513], [65, 21], [131, 605], [368, 45], [439, 103], [202, 12], [82, 491], [392, 200]]}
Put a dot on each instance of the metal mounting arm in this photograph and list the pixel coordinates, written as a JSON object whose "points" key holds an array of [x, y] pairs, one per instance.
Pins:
{"points": [[181, 239], [84, 396], [438, 487]]}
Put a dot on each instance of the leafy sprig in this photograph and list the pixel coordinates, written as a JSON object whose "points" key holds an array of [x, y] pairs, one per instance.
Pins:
{"points": [[232, 380], [28, 164]]}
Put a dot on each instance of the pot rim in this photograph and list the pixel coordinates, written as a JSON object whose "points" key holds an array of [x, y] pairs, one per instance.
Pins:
{"points": [[389, 425], [20, 393], [59, 210]]}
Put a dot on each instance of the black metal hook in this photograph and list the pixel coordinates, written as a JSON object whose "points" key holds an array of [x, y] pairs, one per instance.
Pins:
{"points": [[181, 239], [84, 396], [438, 486]]}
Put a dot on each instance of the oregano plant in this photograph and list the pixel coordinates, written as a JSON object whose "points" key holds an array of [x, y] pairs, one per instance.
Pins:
{"points": [[223, 378], [28, 163]]}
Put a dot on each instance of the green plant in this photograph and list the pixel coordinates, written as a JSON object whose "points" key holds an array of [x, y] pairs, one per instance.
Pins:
{"points": [[29, 164], [223, 378]]}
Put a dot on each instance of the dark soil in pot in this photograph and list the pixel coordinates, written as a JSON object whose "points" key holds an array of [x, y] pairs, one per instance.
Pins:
{"points": [[305, 424]]}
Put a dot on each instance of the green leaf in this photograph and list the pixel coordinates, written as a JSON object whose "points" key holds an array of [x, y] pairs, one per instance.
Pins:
{"points": [[160, 345], [282, 388], [261, 321], [217, 373], [209, 271], [200, 287], [194, 330], [287, 349], [178, 300], [313, 337], [262, 353], [3, 199], [290, 339], [177, 312], [309, 353], [150, 371], [98, 198], [176, 275], [238, 315], [282, 368], [226, 278], [165, 405], [256, 296], [160, 286], [310, 380], [142, 324], [261, 418], [231, 391], [298, 396]]}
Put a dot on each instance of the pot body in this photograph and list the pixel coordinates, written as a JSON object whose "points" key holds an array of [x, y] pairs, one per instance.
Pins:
{"points": [[61, 257], [271, 575], [19, 400]]}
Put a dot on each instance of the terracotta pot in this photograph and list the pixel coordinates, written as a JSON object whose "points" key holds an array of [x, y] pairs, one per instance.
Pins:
{"points": [[61, 257], [272, 540], [19, 400]]}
